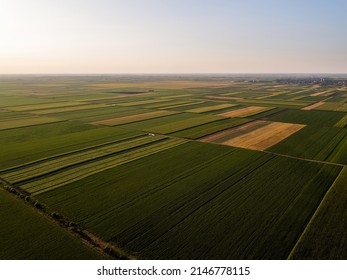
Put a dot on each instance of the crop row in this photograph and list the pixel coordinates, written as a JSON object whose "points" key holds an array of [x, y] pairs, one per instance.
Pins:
{"points": [[45, 106], [26, 121], [29, 235], [326, 236], [134, 118], [309, 117], [183, 124], [80, 114], [210, 108], [73, 173], [342, 122], [28, 144], [86, 106], [325, 143], [219, 202], [209, 128], [48, 166], [168, 103]]}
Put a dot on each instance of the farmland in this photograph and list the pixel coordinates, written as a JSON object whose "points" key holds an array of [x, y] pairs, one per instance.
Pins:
{"points": [[29, 235], [323, 238], [168, 167]]}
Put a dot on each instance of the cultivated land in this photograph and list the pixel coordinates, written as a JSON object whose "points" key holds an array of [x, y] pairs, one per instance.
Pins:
{"points": [[26, 234], [168, 167]]}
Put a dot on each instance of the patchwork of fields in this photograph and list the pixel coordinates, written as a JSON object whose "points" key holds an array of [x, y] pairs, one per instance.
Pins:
{"points": [[193, 168]]}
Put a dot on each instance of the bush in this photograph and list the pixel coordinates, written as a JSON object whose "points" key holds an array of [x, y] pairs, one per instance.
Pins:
{"points": [[72, 224], [38, 205], [55, 215]]}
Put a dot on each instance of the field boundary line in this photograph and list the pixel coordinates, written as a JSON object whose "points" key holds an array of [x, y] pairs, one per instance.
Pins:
{"points": [[25, 165], [87, 161], [18, 189], [305, 159], [330, 155], [81, 176], [264, 151], [72, 228], [313, 217], [29, 125]]}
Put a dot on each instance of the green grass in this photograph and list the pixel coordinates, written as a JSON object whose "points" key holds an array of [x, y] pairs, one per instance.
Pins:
{"points": [[26, 121], [193, 106], [120, 113], [183, 124], [10, 99], [145, 124], [45, 106], [309, 117], [274, 103], [136, 117], [209, 128], [211, 108], [97, 112], [68, 109], [7, 115], [28, 235], [23, 145], [139, 103], [71, 173], [218, 202], [164, 196], [342, 122], [326, 237], [168, 103], [54, 164], [325, 143]]}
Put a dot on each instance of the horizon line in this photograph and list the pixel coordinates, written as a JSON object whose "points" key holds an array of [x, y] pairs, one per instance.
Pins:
{"points": [[176, 73]]}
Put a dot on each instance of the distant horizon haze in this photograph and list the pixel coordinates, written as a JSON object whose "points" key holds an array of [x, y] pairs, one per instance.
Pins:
{"points": [[173, 37]]}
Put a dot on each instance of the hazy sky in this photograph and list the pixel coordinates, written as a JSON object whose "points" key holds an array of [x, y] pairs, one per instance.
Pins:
{"points": [[173, 36]]}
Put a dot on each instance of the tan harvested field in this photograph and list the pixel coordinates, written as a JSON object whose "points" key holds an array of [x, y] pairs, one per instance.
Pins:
{"points": [[264, 137], [21, 122], [315, 105], [321, 92], [134, 118], [215, 136], [245, 112]]}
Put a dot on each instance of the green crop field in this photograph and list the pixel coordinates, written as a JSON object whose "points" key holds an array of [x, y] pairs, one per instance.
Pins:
{"points": [[26, 234], [146, 167], [325, 144], [324, 237], [26, 121], [206, 195], [314, 118], [209, 128]]}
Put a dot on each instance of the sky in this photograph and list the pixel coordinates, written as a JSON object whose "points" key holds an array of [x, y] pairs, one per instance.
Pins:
{"points": [[173, 36]]}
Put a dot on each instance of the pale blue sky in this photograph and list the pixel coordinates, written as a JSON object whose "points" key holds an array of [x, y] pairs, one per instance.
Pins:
{"points": [[173, 36]]}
